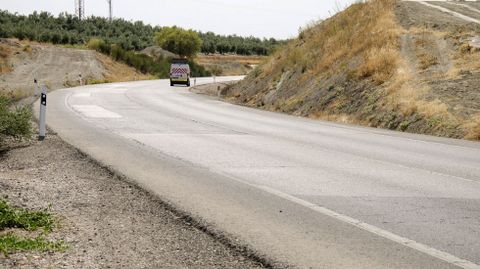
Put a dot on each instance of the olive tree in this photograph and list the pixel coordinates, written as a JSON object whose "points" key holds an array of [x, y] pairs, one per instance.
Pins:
{"points": [[179, 41]]}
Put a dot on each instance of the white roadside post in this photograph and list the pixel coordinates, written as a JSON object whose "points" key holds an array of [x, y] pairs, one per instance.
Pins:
{"points": [[195, 81], [43, 113]]}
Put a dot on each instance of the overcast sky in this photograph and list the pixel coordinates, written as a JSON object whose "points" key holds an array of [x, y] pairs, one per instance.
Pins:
{"points": [[261, 18]]}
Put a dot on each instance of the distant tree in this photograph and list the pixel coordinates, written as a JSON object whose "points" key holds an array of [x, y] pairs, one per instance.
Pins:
{"points": [[179, 41], [68, 29]]}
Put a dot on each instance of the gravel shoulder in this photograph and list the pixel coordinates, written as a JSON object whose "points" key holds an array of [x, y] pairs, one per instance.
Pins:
{"points": [[106, 222]]}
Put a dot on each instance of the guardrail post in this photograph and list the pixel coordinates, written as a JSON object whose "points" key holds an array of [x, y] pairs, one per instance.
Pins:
{"points": [[43, 113]]}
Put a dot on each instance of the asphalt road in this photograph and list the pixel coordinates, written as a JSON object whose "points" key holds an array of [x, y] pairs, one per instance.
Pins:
{"points": [[297, 191]]}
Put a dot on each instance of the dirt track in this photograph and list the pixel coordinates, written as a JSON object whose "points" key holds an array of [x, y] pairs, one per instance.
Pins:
{"points": [[107, 222], [442, 36], [411, 14]]}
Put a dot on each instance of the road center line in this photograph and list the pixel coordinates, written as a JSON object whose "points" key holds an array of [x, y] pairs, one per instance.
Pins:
{"points": [[444, 256]]}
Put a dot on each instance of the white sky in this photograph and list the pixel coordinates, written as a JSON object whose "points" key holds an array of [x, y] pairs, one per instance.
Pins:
{"points": [[261, 18]]}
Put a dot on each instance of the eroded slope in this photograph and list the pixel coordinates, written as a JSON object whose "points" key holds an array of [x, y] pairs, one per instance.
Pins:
{"points": [[56, 67], [396, 65]]}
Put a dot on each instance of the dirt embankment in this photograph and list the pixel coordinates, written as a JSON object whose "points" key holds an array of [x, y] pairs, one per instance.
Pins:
{"points": [[56, 67], [104, 221], [389, 64], [229, 65]]}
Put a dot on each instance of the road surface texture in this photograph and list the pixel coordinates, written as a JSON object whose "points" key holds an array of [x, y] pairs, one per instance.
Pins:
{"points": [[105, 221], [297, 191]]}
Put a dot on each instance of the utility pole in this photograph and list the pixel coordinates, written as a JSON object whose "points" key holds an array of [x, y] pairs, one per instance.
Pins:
{"points": [[110, 9], [80, 9]]}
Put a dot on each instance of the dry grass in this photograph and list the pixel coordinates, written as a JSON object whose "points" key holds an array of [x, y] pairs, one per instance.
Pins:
{"points": [[467, 59], [423, 50], [229, 65], [473, 128], [16, 94], [359, 50], [380, 64], [408, 96], [119, 72], [427, 60], [216, 58], [5, 53], [365, 31]]}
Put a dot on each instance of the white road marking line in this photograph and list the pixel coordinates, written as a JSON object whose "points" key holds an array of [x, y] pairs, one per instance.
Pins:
{"points": [[444, 256], [456, 14], [93, 111], [96, 111], [83, 94]]}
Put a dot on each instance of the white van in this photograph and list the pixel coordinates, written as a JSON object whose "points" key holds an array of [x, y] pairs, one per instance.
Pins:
{"points": [[180, 72]]}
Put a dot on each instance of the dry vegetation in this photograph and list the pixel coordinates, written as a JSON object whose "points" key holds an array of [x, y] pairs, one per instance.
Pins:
{"points": [[229, 65], [5, 53], [363, 40], [119, 72], [362, 66]]}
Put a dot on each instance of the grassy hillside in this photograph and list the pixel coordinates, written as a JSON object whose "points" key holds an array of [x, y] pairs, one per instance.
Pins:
{"points": [[355, 68]]}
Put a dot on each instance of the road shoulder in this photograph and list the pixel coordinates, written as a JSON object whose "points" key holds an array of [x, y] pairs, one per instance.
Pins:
{"points": [[105, 221]]}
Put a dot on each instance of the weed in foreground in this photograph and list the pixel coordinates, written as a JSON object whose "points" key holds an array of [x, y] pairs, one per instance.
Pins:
{"points": [[20, 218], [10, 243], [16, 122]]}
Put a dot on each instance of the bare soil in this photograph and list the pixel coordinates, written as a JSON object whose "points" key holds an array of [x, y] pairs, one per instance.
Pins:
{"points": [[412, 14], [229, 65], [57, 67], [212, 89], [461, 8], [447, 35], [106, 222]]}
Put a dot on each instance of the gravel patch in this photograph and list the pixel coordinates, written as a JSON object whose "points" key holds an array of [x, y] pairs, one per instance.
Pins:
{"points": [[107, 222]]}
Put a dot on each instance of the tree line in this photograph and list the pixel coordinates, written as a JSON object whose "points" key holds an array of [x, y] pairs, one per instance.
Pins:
{"points": [[213, 43], [68, 29], [160, 67]]}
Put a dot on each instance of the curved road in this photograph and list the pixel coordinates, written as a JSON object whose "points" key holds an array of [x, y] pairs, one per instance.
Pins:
{"points": [[297, 191]]}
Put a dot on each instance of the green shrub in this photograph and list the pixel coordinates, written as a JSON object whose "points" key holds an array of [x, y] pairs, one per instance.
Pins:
{"points": [[14, 122], [99, 45]]}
